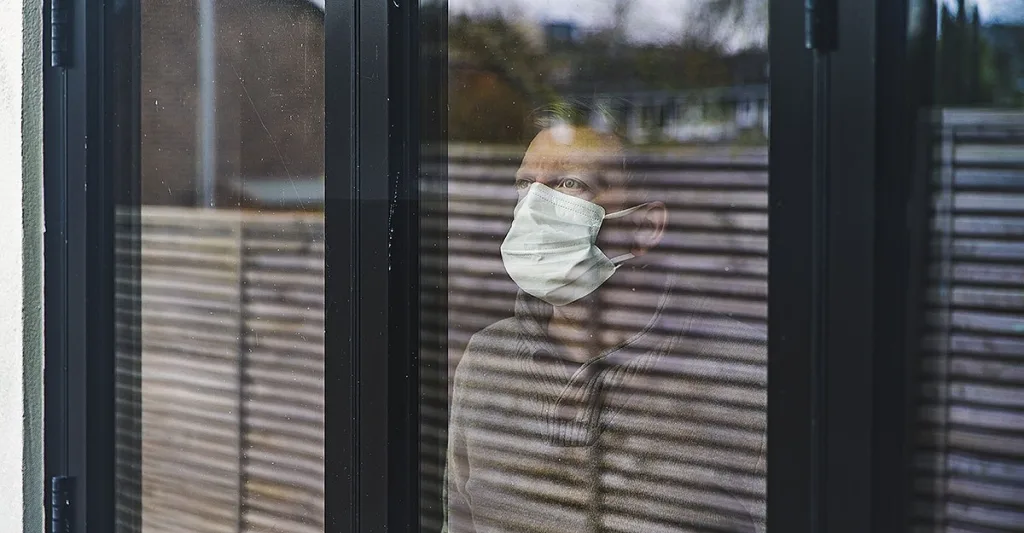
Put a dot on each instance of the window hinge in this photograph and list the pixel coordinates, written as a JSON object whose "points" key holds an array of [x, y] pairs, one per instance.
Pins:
{"points": [[60, 33], [62, 490], [821, 25]]}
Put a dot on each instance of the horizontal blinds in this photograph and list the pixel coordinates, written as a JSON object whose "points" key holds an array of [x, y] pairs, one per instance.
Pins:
{"points": [[716, 246], [232, 334], [970, 439], [231, 372]]}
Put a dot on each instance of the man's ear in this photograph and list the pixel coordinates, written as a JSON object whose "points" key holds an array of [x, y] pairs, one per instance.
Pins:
{"points": [[650, 221]]}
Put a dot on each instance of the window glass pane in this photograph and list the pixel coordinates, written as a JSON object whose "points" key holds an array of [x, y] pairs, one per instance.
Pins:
{"points": [[606, 237], [969, 468], [220, 278]]}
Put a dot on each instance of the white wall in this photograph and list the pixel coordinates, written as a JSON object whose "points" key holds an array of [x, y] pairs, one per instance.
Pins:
{"points": [[21, 495]]}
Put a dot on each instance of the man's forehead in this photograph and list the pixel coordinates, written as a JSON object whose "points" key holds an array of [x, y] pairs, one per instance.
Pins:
{"points": [[567, 147]]}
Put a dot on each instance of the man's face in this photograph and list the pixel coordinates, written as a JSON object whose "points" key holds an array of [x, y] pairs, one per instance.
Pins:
{"points": [[584, 163]]}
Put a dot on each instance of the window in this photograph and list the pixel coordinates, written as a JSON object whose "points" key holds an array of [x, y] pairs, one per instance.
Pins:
{"points": [[227, 272], [526, 266], [606, 285], [207, 227]]}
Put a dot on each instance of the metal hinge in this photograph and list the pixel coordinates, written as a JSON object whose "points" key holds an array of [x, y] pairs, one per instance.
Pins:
{"points": [[60, 33], [821, 26], [62, 491]]}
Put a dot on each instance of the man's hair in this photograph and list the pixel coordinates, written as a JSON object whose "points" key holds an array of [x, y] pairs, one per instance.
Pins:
{"points": [[575, 112]]}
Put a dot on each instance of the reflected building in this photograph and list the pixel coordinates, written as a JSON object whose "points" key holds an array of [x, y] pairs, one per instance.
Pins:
{"points": [[661, 94], [269, 102]]}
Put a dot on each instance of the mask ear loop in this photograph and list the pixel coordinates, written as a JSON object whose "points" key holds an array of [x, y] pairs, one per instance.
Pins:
{"points": [[620, 259], [624, 212]]}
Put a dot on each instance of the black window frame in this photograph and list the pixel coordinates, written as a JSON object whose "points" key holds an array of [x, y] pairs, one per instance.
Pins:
{"points": [[843, 156], [90, 115]]}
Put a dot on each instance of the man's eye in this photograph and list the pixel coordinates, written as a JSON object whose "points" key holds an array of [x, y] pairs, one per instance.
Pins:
{"points": [[522, 184], [572, 184]]}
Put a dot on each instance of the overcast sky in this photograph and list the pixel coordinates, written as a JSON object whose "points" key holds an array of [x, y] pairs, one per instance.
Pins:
{"points": [[648, 20], [1002, 10], [655, 20]]}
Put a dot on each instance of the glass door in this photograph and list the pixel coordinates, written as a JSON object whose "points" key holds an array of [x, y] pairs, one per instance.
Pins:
{"points": [[192, 397], [606, 249], [596, 234], [517, 266], [227, 281]]}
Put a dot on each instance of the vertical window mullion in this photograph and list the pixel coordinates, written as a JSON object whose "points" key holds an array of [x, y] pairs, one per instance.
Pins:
{"points": [[791, 430], [341, 488], [79, 251]]}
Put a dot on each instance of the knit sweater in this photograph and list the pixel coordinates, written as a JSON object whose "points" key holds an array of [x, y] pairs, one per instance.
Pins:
{"points": [[664, 433]]}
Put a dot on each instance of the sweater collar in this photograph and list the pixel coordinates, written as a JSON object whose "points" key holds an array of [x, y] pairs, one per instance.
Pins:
{"points": [[580, 400]]}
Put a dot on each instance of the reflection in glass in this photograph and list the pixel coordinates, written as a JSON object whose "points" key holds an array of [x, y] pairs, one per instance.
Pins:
{"points": [[607, 241], [969, 466], [221, 393]]}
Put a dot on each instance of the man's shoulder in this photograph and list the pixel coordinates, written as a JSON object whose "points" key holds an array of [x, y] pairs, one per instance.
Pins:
{"points": [[499, 340], [502, 333]]}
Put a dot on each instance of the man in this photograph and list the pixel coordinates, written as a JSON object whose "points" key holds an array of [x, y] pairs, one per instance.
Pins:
{"points": [[606, 403]]}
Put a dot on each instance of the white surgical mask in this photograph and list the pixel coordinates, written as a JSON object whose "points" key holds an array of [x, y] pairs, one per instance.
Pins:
{"points": [[550, 250]]}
